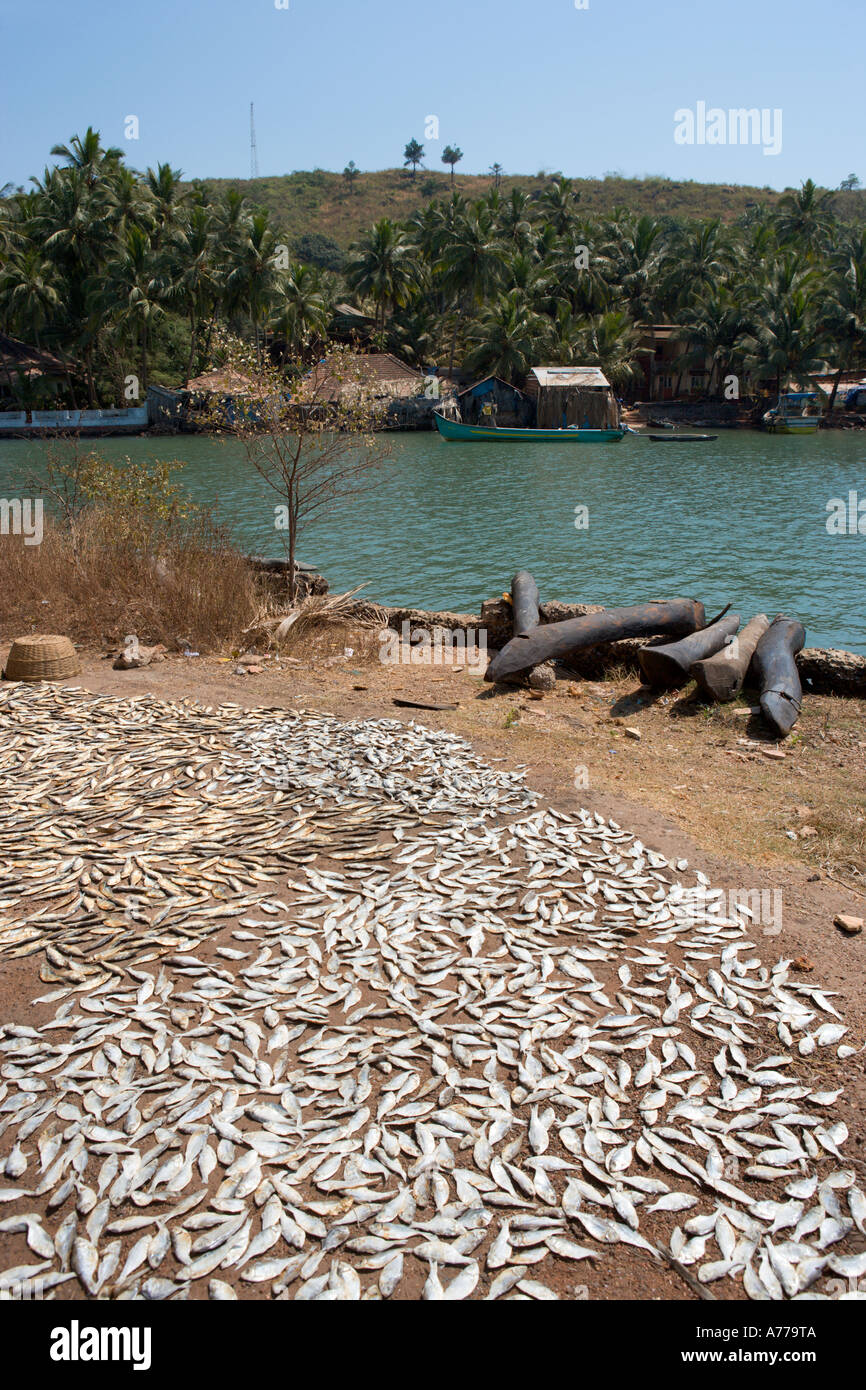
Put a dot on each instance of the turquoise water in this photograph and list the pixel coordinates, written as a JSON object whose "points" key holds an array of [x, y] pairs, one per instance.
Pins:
{"points": [[742, 519]]}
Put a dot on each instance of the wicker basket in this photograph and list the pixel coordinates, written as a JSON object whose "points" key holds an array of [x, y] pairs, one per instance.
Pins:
{"points": [[41, 658]]}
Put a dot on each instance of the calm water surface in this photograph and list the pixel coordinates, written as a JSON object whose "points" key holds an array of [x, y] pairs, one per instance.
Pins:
{"points": [[742, 519]]}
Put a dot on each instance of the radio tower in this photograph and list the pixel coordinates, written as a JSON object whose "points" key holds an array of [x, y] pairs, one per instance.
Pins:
{"points": [[254, 155]]}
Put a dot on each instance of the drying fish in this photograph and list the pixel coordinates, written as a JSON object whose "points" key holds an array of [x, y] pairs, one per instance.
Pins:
{"points": [[326, 994]]}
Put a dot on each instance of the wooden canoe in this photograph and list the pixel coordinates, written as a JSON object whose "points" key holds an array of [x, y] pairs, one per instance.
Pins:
{"points": [[669, 666], [682, 438], [775, 670], [673, 617]]}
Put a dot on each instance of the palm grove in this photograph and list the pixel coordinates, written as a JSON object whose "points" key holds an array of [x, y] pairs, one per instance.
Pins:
{"points": [[122, 273]]}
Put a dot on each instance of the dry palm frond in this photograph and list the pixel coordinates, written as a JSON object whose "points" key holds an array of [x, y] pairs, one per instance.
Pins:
{"points": [[316, 611]]}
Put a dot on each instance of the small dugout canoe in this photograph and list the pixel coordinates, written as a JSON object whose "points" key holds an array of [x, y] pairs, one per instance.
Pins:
{"points": [[682, 438]]}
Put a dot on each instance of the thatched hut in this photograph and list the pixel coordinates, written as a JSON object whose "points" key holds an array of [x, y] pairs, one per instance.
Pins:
{"points": [[580, 396], [379, 375], [23, 366]]}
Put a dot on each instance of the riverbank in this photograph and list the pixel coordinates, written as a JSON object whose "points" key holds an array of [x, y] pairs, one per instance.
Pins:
{"points": [[405, 417]]}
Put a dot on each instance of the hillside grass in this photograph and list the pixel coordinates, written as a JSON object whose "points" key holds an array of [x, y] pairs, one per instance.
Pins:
{"points": [[320, 201]]}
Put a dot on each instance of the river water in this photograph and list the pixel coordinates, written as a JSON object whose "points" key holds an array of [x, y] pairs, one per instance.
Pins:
{"points": [[741, 520]]}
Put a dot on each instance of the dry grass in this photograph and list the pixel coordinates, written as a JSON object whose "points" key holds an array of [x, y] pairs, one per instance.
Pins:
{"points": [[178, 584], [321, 626]]}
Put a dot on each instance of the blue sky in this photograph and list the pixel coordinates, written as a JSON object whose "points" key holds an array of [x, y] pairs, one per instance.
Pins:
{"points": [[532, 85]]}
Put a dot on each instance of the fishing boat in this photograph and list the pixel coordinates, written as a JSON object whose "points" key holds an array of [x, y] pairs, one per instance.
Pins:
{"points": [[795, 412], [572, 434]]}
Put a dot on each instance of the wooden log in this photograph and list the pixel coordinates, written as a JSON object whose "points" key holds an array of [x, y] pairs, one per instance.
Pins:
{"points": [[524, 603], [669, 665], [676, 617], [775, 672], [721, 676]]}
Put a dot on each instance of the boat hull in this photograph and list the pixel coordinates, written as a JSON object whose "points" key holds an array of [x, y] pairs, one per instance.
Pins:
{"points": [[792, 427], [455, 429]]}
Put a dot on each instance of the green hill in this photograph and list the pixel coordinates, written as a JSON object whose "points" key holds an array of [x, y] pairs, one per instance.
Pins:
{"points": [[319, 202]]}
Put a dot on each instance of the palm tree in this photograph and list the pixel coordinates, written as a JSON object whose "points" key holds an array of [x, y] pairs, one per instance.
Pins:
{"points": [[696, 260], [452, 154], [497, 172], [86, 154], [787, 341], [610, 341], [300, 311], [130, 208], [415, 332], [189, 271], [505, 338], [132, 291], [631, 256], [413, 154], [514, 223], [252, 280], [846, 310], [806, 218], [165, 190], [712, 329], [534, 277], [471, 264], [28, 292], [559, 204], [381, 268], [76, 224], [350, 173]]}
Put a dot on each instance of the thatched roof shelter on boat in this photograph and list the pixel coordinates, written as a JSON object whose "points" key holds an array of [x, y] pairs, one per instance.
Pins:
{"points": [[572, 396]]}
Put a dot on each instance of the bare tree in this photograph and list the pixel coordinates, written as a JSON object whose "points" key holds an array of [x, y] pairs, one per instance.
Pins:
{"points": [[308, 432]]}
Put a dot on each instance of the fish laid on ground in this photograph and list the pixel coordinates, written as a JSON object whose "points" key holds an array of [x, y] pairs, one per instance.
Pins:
{"points": [[458, 1027]]}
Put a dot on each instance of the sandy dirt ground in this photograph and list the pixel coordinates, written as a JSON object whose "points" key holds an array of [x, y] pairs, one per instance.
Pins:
{"points": [[709, 788]]}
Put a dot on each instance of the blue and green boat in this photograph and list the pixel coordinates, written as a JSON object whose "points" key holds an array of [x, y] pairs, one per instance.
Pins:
{"points": [[572, 434]]}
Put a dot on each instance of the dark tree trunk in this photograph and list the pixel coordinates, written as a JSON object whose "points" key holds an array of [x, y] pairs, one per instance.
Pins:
{"points": [[669, 665], [721, 676], [143, 357], [88, 365], [193, 334], [837, 378], [676, 617]]}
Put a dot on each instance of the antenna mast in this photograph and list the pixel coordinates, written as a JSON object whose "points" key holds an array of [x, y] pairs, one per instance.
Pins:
{"points": [[254, 154]]}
